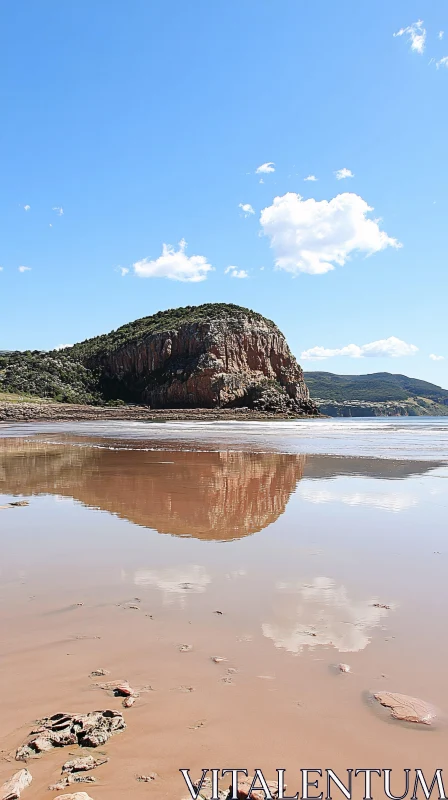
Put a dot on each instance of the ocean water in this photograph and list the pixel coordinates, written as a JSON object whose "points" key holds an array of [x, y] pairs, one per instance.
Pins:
{"points": [[421, 438]]}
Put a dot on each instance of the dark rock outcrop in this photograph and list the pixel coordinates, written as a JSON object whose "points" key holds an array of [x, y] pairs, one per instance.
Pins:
{"points": [[208, 357]]}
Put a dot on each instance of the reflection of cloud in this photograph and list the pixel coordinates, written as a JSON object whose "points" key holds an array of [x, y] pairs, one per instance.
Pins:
{"points": [[388, 501], [321, 613], [189, 579], [235, 574]]}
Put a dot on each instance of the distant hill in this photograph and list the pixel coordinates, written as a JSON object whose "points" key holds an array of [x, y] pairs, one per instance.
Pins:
{"points": [[357, 395], [378, 387]]}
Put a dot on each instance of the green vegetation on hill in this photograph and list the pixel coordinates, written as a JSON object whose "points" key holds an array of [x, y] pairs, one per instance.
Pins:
{"points": [[169, 320], [379, 387], [63, 375], [55, 376]]}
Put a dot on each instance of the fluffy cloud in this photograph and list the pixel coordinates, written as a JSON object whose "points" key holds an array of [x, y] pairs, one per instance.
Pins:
{"points": [[26, 208], [24, 269], [441, 34], [433, 357], [268, 167], [343, 173], [59, 210], [416, 34], [310, 178], [443, 62], [246, 208], [313, 236], [236, 273], [389, 348], [122, 270], [175, 265], [63, 346]]}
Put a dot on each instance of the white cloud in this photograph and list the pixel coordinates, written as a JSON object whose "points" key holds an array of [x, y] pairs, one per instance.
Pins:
{"points": [[313, 236], [236, 273], [59, 210], [310, 178], [63, 346], [175, 265], [416, 34], [24, 269], [383, 348], [441, 34], [50, 225], [246, 208], [26, 208], [433, 357], [443, 62], [1, 269], [122, 270], [268, 167], [343, 173]]}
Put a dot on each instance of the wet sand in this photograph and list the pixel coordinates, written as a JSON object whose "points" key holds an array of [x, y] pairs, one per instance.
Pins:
{"points": [[295, 550], [42, 410]]}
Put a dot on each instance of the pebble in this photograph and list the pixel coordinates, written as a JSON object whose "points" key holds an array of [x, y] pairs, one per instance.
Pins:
{"points": [[406, 708]]}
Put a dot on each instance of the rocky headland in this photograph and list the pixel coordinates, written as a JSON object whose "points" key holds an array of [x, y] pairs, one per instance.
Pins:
{"points": [[214, 356]]}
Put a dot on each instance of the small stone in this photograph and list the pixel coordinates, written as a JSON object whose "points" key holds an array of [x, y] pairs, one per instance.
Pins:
{"points": [[98, 673], [129, 701], [146, 778], [406, 708], [218, 659], [257, 794], [199, 724], [62, 784], [185, 648], [343, 667], [119, 688], [12, 789], [83, 764], [74, 796], [87, 730]]}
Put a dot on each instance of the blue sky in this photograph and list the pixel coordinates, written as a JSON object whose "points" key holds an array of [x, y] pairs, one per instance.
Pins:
{"points": [[145, 122]]}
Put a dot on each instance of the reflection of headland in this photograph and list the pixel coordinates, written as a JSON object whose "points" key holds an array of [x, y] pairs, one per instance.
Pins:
{"points": [[216, 496]]}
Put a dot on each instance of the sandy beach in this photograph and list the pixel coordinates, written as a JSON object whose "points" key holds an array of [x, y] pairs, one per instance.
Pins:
{"points": [[151, 558]]}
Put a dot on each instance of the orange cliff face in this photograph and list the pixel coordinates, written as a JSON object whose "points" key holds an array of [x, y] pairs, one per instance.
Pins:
{"points": [[205, 364], [216, 496]]}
